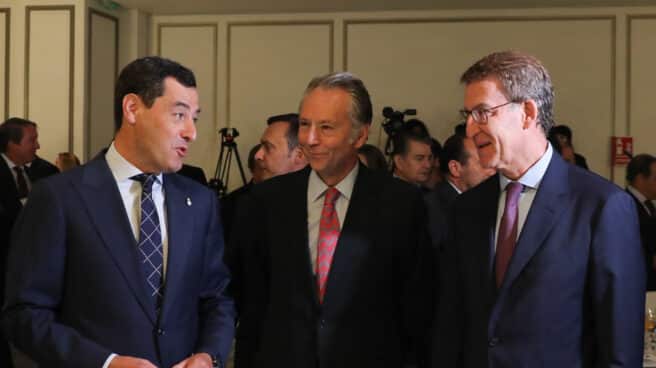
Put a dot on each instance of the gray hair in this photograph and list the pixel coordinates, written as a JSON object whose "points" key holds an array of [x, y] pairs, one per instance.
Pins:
{"points": [[361, 110], [522, 76]]}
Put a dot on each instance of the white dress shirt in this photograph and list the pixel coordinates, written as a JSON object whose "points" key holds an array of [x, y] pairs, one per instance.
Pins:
{"points": [[531, 181], [315, 198], [130, 190]]}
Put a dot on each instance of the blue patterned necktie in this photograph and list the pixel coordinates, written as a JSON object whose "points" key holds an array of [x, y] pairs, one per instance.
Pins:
{"points": [[150, 248]]}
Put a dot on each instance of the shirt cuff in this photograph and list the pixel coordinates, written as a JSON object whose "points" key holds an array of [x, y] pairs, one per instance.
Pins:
{"points": [[108, 361]]}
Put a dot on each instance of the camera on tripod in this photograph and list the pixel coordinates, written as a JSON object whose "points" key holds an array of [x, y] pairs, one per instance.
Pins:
{"points": [[394, 120], [228, 134], [227, 151]]}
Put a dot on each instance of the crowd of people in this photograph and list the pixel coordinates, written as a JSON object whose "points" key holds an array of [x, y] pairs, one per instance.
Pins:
{"points": [[496, 249]]}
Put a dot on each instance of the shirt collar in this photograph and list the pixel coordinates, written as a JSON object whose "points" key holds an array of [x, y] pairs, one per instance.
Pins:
{"points": [[533, 177], [9, 162], [316, 186], [454, 186], [636, 193], [122, 169]]}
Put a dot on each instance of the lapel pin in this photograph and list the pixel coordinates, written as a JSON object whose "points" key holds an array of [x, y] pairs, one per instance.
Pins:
{"points": [[188, 202]]}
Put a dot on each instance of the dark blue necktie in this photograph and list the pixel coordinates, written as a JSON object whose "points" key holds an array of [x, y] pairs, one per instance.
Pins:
{"points": [[150, 248]]}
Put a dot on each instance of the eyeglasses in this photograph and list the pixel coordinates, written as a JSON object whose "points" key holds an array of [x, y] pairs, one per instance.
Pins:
{"points": [[480, 115]]}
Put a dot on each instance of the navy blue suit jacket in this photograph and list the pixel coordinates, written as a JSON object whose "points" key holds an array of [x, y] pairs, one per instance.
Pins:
{"points": [[75, 292], [573, 295]]}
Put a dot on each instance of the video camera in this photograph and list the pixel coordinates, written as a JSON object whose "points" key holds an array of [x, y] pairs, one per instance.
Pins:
{"points": [[394, 120]]}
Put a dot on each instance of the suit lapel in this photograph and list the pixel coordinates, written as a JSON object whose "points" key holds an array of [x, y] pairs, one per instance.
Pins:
{"points": [[352, 246], [180, 229], [8, 183], [550, 200], [104, 204]]}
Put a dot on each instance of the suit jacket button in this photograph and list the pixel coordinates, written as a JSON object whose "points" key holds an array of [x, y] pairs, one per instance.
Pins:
{"points": [[160, 331], [493, 342], [322, 323]]}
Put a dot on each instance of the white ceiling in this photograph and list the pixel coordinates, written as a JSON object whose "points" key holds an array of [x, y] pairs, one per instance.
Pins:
{"points": [[312, 6]]}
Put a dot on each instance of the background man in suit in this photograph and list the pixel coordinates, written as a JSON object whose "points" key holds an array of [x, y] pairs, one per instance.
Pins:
{"points": [[549, 270], [462, 170], [412, 157], [279, 151], [20, 168], [641, 179], [339, 280], [118, 263]]}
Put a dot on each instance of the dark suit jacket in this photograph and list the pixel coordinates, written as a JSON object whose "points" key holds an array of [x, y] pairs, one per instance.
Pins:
{"points": [[377, 291], [648, 238], [75, 292], [439, 203], [10, 205], [573, 295]]}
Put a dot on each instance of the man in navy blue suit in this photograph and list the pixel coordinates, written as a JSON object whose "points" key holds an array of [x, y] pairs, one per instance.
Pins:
{"points": [[547, 266], [119, 263]]}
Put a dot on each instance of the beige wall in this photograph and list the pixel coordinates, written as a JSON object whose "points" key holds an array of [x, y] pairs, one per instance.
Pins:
{"points": [[601, 71], [250, 67]]}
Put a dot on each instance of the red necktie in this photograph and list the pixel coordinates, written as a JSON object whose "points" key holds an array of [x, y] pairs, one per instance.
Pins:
{"points": [[507, 231], [328, 235]]}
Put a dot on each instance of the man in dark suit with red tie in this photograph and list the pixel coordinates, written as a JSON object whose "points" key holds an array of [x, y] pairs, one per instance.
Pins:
{"points": [[641, 180], [548, 269], [20, 168], [333, 256]]}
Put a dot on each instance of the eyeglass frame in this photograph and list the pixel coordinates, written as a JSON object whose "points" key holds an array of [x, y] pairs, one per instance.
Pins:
{"points": [[484, 111]]}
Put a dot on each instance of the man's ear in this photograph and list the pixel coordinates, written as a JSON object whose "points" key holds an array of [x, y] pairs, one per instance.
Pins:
{"points": [[531, 113], [362, 136], [131, 105], [397, 161], [454, 168], [298, 156]]}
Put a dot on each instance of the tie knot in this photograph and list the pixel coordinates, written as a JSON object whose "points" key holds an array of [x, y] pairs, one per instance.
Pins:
{"points": [[146, 181], [331, 196], [18, 170], [514, 189]]}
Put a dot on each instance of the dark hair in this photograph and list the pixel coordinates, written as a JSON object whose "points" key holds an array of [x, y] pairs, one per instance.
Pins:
{"points": [[402, 141], [416, 126], [292, 128], [562, 130], [461, 129], [375, 158], [361, 111], [639, 165], [453, 149], [436, 147], [251, 156], [522, 77], [12, 131], [145, 78]]}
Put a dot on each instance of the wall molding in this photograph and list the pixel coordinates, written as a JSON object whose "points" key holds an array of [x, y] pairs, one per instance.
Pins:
{"points": [[494, 19], [7, 13], [231, 24], [215, 61], [28, 13], [629, 23], [87, 125]]}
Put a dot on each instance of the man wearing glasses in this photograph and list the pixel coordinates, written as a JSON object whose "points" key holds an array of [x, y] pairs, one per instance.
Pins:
{"points": [[546, 262]]}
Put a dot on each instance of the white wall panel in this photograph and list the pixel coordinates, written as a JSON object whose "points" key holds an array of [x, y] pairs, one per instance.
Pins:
{"points": [[49, 77], [642, 79]]}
